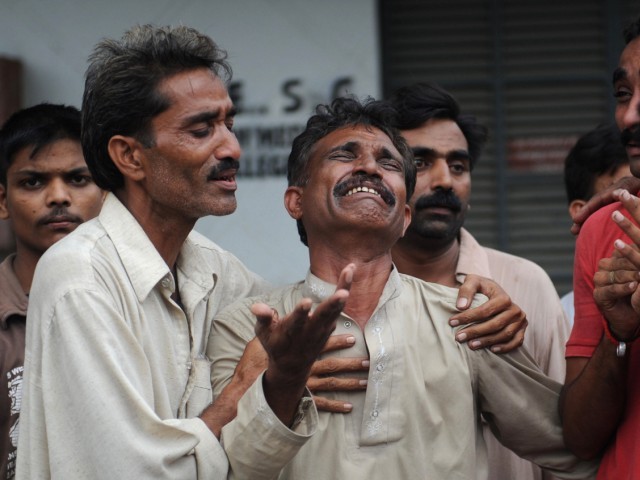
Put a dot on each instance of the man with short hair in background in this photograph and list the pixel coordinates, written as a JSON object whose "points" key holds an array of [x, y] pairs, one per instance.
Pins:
{"points": [[594, 163], [446, 145], [46, 191]]}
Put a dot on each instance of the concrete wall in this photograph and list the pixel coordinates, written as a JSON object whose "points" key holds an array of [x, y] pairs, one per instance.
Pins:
{"points": [[287, 56]]}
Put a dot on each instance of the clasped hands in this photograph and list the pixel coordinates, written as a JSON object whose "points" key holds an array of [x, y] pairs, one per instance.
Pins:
{"points": [[616, 282]]}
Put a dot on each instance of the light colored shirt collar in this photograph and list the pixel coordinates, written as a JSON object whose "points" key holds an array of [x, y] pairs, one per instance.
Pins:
{"points": [[143, 263], [318, 290]]}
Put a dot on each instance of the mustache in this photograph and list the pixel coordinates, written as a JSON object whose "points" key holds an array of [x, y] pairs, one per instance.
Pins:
{"points": [[630, 136], [224, 165], [387, 195], [58, 214], [440, 198]]}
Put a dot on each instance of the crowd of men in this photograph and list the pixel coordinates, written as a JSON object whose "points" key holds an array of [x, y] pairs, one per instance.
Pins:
{"points": [[133, 347]]}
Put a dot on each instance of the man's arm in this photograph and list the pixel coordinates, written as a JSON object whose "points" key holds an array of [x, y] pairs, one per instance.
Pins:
{"points": [[520, 404], [605, 197], [593, 399]]}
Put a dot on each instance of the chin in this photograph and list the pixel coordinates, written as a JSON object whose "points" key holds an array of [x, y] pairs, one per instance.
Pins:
{"points": [[225, 209]]}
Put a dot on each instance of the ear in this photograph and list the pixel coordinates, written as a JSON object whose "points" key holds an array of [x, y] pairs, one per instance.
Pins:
{"points": [[125, 153], [293, 201], [407, 218], [574, 206], [4, 210]]}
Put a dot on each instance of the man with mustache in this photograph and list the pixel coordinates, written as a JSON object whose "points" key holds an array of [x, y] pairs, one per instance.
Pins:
{"points": [[46, 191], [436, 248], [350, 174], [601, 401], [117, 381]]}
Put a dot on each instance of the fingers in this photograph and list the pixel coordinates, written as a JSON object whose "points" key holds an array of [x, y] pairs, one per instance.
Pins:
{"points": [[628, 227], [335, 365], [603, 198], [498, 303], [338, 342], [264, 313], [346, 277], [630, 202], [327, 312], [515, 342], [467, 290], [476, 284], [606, 295], [336, 384], [500, 329], [334, 406]]}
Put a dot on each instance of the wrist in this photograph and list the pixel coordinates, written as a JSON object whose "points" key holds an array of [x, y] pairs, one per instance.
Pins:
{"points": [[286, 379], [621, 345], [617, 337]]}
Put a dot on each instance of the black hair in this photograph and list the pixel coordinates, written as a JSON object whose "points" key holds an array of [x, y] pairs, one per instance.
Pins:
{"points": [[121, 88], [36, 127], [418, 103], [343, 112], [597, 152]]}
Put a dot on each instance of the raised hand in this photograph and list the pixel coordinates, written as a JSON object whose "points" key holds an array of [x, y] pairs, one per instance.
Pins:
{"points": [[294, 342]]}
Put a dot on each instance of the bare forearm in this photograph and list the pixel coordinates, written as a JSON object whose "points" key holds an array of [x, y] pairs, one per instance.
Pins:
{"points": [[593, 403], [225, 408]]}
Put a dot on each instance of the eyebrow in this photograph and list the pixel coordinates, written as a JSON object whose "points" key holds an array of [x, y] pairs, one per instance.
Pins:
{"points": [[430, 152], [619, 74], [208, 116], [349, 146], [41, 173]]}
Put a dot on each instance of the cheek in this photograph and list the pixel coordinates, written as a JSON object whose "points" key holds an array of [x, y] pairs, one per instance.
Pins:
{"points": [[619, 115]]}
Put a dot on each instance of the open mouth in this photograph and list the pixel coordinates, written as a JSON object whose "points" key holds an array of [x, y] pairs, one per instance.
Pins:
{"points": [[361, 189], [224, 178], [356, 185]]}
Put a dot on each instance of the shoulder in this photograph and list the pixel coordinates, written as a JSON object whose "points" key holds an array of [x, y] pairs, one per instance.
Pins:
{"points": [[429, 292], [216, 257], [596, 236], [76, 263], [282, 299], [513, 266], [238, 313], [599, 222]]}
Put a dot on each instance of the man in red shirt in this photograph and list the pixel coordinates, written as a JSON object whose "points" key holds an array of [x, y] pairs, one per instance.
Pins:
{"points": [[601, 402]]}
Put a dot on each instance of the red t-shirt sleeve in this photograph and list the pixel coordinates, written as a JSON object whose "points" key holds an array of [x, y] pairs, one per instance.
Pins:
{"points": [[594, 242]]}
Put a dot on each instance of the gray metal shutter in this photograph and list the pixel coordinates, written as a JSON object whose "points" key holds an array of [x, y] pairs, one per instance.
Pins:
{"points": [[538, 74]]}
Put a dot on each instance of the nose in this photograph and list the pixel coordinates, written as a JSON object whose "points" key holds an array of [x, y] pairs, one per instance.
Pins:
{"points": [[628, 114], [229, 147], [367, 164], [58, 193], [440, 175]]}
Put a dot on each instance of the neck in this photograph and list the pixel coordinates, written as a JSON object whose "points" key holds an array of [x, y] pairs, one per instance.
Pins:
{"points": [[167, 232], [427, 260], [369, 279]]}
